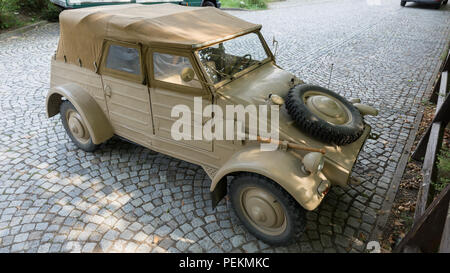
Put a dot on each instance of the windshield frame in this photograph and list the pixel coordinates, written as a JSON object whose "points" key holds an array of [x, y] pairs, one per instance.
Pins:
{"points": [[239, 74]]}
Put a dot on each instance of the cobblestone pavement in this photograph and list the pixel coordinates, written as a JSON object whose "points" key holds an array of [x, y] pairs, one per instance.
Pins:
{"points": [[124, 198]]}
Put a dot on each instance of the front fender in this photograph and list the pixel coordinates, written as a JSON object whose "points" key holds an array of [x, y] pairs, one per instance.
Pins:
{"points": [[98, 124], [282, 167]]}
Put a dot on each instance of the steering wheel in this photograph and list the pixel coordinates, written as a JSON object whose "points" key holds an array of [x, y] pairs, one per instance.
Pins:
{"points": [[245, 60]]}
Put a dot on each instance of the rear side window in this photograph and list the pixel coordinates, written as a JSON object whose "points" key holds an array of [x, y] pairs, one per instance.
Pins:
{"points": [[125, 59]]}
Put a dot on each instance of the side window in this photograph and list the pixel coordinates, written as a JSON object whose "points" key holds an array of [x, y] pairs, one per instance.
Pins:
{"points": [[125, 59], [168, 68]]}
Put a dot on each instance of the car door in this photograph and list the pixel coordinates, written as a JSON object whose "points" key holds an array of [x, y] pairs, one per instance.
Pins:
{"points": [[168, 90], [127, 97]]}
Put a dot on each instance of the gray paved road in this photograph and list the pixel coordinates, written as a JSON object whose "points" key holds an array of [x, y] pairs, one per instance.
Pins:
{"points": [[54, 197]]}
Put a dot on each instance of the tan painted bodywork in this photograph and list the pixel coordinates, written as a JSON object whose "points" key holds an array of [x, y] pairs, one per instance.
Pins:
{"points": [[139, 109], [87, 104], [255, 87], [286, 171]]}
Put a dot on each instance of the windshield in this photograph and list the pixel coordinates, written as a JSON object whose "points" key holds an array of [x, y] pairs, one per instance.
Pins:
{"points": [[224, 60]]}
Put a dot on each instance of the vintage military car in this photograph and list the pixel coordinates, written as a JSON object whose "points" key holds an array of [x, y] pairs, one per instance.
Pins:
{"points": [[120, 70]]}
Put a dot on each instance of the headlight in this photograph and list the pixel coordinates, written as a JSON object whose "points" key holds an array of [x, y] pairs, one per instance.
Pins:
{"points": [[313, 162]]}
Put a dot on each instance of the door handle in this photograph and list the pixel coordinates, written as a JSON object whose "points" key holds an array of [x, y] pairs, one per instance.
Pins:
{"points": [[107, 91]]}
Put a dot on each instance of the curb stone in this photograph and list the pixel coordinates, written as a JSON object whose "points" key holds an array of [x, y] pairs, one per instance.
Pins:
{"points": [[22, 30], [237, 9]]}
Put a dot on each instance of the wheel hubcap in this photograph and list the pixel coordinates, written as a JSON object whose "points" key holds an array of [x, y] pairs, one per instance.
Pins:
{"points": [[263, 211], [327, 108], [77, 126]]}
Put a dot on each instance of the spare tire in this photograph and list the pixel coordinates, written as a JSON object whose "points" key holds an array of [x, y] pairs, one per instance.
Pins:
{"points": [[324, 114]]}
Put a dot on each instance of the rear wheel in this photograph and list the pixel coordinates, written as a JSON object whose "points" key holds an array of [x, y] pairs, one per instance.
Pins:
{"points": [[266, 210], [402, 3], [75, 127]]}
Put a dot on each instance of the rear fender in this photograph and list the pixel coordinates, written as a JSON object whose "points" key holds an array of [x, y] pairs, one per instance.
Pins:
{"points": [[98, 124]]}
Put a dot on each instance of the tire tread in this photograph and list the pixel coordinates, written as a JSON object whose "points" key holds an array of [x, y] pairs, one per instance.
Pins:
{"points": [[316, 127]]}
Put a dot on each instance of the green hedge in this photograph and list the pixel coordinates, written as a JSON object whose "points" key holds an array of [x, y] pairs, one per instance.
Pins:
{"points": [[7, 18], [32, 5], [51, 12], [443, 167], [245, 4], [42, 9]]}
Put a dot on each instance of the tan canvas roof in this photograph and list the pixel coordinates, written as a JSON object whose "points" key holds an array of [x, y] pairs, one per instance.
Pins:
{"points": [[84, 30]]}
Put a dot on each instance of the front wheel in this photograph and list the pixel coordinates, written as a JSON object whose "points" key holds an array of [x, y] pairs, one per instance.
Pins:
{"points": [[402, 3], [266, 210]]}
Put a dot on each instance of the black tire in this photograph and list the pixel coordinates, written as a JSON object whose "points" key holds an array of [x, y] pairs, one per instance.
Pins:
{"points": [[402, 3], [88, 146], [208, 4], [445, 2], [295, 214], [339, 134]]}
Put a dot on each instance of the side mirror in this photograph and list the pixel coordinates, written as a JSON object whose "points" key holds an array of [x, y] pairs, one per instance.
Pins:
{"points": [[187, 74], [275, 46]]}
